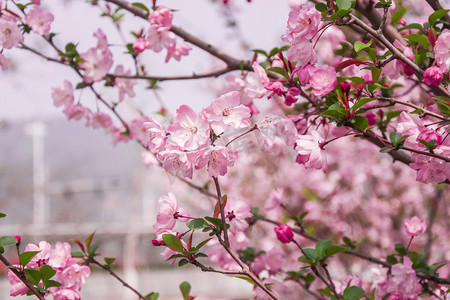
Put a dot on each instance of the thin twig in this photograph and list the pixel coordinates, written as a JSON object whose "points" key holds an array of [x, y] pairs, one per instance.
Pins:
{"points": [[108, 269], [222, 211]]}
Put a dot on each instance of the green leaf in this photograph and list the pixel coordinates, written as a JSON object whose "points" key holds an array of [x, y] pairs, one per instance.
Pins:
{"points": [[8, 241], [376, 72], [33, 276], [201, 244], [52, 283], [379, 5], [343, 12], [215, 221], [197, 224], [200, 254], [244, 278], [47, 272], [437, 15], [400, 249], [2, 250], [183, 262], [361, 102], [273, 52], [81, 85], [141, 6], [321, 7], [260, 52], [397, 15], [361, 122], [279, 71], [77, 254], [172, 242], [185, 289], [2, 215], [412, 26], [431, 145], [391, 259], [333, 249], [443, 108], [348, 242], [89, 240], [353, 293], [396, 138], [152, 296], [25, 257], [385, 150], [360, 46], [91, 250], [321, 246], [109, 260], [312, 256], [344, 4], [421, 39]]}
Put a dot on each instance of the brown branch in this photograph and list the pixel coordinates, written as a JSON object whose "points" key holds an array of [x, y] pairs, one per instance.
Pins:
{"points": [[214, 51], [108, 269], [407, 103], [167, 78], [21, 275]]}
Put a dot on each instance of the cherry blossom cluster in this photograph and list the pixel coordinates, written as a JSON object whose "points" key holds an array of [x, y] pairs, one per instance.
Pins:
{"points": [[159, 36], [37, 19], [69, 273]]}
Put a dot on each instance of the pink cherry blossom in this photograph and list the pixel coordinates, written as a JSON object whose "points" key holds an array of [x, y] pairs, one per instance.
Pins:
{"points": [[66, 294], [302, 51], [272, 261], [432, 169], [100, 119], [161, 17], [125, 85], [17, 286], [303, 22], [74, 276], [442, 55], [402, 280], [169, 214], [323, 81], [175, 161], [140, 45], [159, 37], [77, 112], [60, 256], [227, 111], [236, 211], [311, 152], [42, 258], [276, 132], [433, 76], [415, 226], [429, 134], [291, 96], [63, 96], [218, 159], [156, 135], [4, 62], [190, 131], [254, 84], [276, 87], [97, 61], [284, 233], [10, 35], [177, 50], [39, 20], [275, 199]]}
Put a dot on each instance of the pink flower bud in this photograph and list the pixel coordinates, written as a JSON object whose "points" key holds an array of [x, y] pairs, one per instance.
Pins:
{"points": [[415, 226], [156, 243], [359, 92], [433, 76], [140, 45], [345, 87], [19, 239], [284, 233]]}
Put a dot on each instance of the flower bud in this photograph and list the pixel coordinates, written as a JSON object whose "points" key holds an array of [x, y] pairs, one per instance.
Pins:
{"points": [[156, 243], [19, 239], [433, 76], [432, 37], [284, 233]]}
